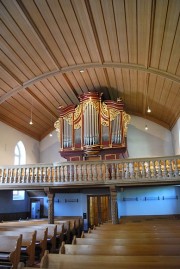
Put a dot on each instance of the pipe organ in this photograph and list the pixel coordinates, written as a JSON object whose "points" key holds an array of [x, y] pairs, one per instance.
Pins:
{"points": [[93, 128]]}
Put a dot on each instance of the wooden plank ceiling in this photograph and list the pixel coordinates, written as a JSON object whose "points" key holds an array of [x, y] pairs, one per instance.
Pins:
{"points": [[127, 48]]}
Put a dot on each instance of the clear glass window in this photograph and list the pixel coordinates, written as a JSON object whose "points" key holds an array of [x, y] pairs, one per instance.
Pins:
{"points": [[19, 158], [19, 154], [18, 195]]}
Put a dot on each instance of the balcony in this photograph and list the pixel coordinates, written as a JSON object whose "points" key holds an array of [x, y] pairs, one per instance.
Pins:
{"points": [[121, 172]]}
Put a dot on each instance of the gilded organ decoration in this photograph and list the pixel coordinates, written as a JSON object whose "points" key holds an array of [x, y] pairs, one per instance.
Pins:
{"points": [[77, 117], [93, 125], [57, 127], [126, 121]]}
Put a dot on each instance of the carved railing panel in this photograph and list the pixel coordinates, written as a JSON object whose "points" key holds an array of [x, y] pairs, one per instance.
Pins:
{"points": [[122, 171]]}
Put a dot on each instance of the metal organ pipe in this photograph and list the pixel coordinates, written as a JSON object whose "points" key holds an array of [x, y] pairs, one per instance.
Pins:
{"points": [[85, 120], [66, 134], [95, 127], [85, 127], [92, 125], [119, 130], [90, 120], [70, 135], [91, 132], [115, 130]]}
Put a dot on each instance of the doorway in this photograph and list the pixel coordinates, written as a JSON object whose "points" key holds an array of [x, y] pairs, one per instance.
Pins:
{"points": [[36, 208], [99, 209]]}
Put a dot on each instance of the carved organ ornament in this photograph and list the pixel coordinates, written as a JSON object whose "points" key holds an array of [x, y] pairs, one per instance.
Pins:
{"points": [[93, 125]]}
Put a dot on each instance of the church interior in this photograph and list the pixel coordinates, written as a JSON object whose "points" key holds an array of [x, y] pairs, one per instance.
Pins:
{"points": [[90, 134]]}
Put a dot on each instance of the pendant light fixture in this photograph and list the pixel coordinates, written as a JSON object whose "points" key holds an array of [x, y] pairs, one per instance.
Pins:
{"points": [[52, 125], [148, 110], [31, 121], [147, 101]]}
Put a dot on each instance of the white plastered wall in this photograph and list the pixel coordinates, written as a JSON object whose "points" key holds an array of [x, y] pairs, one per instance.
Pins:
{"points": [[9, 137], [154, 142], [176, 137]]}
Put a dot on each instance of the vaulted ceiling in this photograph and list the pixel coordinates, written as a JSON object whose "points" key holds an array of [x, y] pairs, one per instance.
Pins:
{"points": [[126, 48]]}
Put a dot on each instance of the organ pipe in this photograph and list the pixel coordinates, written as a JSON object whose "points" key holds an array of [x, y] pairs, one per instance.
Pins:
{"points": [[89, 117]]}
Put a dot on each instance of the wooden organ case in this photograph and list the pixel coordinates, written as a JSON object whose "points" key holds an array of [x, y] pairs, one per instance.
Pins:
{"points": [[93, 129]]}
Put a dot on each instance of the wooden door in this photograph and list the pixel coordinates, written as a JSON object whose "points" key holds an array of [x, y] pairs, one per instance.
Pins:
{"points": [[98, 209]]}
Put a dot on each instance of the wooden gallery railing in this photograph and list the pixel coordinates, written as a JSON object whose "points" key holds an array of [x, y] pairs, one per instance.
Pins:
{"points": [[120, 172]]}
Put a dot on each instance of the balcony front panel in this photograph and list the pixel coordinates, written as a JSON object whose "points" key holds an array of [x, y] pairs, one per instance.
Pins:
{"points": [[122, 172]]}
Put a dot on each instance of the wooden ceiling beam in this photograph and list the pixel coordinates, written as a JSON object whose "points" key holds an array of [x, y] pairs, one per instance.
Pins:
{"points": [[86, 66]]}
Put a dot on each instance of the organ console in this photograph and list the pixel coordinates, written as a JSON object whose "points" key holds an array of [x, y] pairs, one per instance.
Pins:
{"points": [[93, 128]]}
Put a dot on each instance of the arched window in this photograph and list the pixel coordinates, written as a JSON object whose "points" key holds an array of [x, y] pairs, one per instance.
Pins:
{"points": [[19, 158], [19, 154]]}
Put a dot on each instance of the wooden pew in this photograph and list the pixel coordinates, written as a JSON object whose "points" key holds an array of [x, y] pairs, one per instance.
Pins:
{"points": [[60, 225], [141, 229], [76, 224], [131, 234], [127, 241], [59, 232], [56, 231], [66, 224], [52, 230], [125, 250], [67, 229], [10, 248], [27, 245], [73, 228], [41, 237], [153, 226], [54, 261], [51, 236]]}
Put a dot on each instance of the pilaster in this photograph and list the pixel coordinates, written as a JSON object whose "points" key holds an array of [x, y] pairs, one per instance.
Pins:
{"points": [[114, 206], [50, 205]]}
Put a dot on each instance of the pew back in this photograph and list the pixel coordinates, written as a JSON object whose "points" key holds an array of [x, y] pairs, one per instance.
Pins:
{"points": [[27, 245], [53, 261], [10, 249], [127, 241], [126, 250]]}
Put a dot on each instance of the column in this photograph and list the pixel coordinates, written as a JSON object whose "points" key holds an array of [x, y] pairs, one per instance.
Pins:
{"points": [[114, 206], [50, 205]]}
